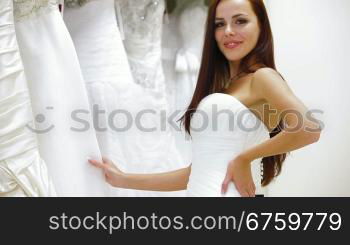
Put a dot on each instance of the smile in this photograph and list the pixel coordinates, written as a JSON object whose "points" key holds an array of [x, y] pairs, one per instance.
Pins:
{"points": [[232, 45]]}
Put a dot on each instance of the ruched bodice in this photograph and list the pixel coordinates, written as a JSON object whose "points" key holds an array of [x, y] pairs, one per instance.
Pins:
{"points": [[221, 128]]}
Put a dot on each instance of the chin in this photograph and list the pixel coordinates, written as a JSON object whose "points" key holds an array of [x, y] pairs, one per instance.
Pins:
{"points": [[233, 57]]}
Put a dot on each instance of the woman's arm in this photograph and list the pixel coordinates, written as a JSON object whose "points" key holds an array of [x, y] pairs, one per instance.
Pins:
{"points": [[168, 181], [300, 130]]}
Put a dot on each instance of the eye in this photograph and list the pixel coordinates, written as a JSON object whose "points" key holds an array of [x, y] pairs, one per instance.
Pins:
{"points": [[241, 21], [219, 24]]}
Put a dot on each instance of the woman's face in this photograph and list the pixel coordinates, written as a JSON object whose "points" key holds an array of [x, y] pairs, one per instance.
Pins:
{"points": [[237, 29]]}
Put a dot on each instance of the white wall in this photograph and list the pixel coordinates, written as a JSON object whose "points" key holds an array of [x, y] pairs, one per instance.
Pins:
{"points": [[312, 41]]}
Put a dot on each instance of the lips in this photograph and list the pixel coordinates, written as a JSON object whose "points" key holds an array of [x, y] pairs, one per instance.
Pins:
{"points": [[232, 44]]}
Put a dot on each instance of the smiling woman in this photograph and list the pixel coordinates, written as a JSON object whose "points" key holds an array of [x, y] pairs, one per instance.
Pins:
{"points": [[237, 76], [238, 31], [238, 42]]}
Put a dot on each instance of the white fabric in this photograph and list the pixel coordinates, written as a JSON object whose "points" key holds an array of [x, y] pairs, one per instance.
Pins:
{"points": [[182, 49], [57, 90], [107, 75], [155, 151], [191, 28], [218, 139], [22, 171], [183, 39], [104, 66]]}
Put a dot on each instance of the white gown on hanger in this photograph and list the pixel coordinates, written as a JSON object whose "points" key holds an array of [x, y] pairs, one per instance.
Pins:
{"points": [[22, 171], [183, 39], [191, 29], [218, 140], [59, 98], [105, 68], [155, 151]]}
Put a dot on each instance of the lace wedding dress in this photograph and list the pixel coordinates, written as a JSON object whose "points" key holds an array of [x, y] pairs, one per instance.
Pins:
{"points": [[23, 173], [60, 105], [155, 150]]}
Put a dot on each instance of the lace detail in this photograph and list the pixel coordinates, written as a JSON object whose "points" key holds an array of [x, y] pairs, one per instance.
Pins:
{"points": [[143, 18], [142, 25], [75, 3], [24, 9]]}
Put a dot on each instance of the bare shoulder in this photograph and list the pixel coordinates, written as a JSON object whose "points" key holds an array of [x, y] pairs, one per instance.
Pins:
{"points": [[266, 74], [266, 81]]}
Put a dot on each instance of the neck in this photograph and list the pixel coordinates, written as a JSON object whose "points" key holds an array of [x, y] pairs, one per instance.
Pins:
{"points": [[234, 68]]}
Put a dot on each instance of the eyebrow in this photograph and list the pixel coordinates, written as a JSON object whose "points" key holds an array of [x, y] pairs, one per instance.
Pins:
{"points": [[235, 16]]}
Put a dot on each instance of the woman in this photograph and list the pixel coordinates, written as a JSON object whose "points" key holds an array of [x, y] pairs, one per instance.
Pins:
{"points": [[237, 73]]}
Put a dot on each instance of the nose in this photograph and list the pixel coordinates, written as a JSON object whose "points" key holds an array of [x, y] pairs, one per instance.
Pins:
{"points": [[229, 31]]}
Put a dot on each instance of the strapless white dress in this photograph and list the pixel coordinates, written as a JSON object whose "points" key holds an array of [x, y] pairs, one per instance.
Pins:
{"points": [[218, 139]]}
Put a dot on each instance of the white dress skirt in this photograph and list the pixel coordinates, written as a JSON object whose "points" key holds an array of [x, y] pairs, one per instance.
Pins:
{"points": [[64, 126], [104, 64], [112, 89], [153, 147], [183, 38]]}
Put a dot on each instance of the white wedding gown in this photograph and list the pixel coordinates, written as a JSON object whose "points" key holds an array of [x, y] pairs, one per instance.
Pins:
{"points": [[150, 152], [105, 69], [23, 173], [218, 139], [191, 27], [183, 39], [60, 103]]}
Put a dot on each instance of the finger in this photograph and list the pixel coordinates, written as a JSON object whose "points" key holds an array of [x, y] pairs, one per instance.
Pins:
{"points": [[106, 160], [250, 193], [253, 190], [107, 177], [224, 185], [243, 193], [98, 164], [226, 182]]}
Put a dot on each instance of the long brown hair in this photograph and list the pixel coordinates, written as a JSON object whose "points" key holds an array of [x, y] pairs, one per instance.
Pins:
{"points": [[215, 72]]}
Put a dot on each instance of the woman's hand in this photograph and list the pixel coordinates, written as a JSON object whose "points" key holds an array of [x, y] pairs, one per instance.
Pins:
{"points": [[239, 172], [113, 175]]}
